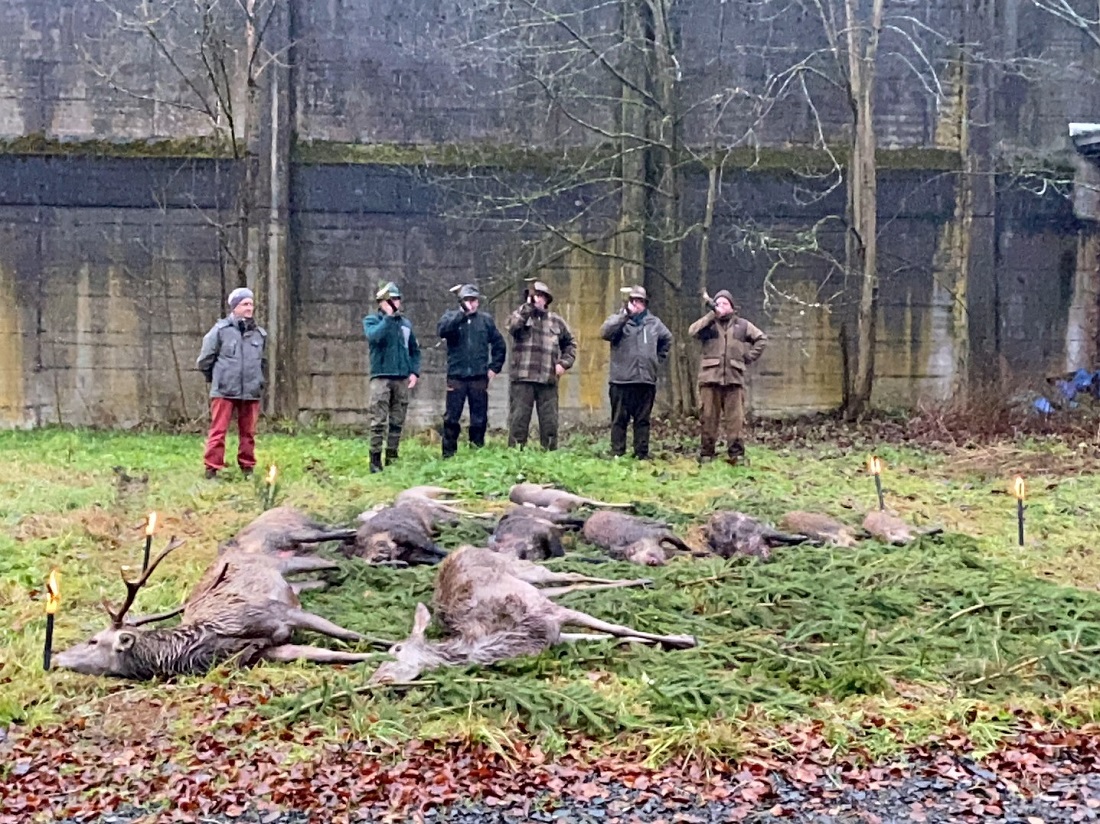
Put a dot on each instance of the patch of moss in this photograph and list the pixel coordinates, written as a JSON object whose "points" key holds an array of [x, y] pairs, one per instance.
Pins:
{"points": [[195, 147]]}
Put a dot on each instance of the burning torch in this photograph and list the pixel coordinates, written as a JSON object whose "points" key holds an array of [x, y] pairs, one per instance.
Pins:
{"points": [[874, 466], [1020, 490], [150, 528], [269, 494], [53, 601]]}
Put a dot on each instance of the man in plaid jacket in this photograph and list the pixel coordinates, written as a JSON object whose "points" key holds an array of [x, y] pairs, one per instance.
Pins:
{"points": [[543, 348]]}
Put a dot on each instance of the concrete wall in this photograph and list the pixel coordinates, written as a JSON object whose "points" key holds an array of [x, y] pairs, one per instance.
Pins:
{"points": [[104, 306], [110, 269]]}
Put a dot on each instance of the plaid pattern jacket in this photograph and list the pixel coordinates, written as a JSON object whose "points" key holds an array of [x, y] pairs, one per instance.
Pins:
{"points": [[542, 340]]}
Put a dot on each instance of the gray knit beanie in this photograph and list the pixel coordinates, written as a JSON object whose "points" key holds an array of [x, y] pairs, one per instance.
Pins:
{"points": [[239, 294]]}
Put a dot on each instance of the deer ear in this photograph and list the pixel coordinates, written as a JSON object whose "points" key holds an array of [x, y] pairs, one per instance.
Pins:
{"points": [[421, 621], [124, 640]]}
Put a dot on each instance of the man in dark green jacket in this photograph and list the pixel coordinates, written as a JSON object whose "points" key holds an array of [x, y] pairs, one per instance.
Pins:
{"points": [[475, 355], [640, 343], [394, 371]]}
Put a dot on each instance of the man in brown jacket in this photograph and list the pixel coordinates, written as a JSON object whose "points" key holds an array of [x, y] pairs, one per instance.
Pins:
{"points": [[543, 348], [730, 344]]}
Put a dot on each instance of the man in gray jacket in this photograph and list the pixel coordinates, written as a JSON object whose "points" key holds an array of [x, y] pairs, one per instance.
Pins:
{"points": [[640, 343], [234, 361]]}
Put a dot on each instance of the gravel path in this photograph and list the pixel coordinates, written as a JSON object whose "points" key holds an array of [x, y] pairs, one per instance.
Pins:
{"points": [[915, 799]]}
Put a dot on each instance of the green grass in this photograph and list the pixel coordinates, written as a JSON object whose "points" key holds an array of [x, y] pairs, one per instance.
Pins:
{"points": [[958, 631]]}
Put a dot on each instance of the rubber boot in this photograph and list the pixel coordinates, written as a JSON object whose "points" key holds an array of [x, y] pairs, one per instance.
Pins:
{"points": [[375, 462]]}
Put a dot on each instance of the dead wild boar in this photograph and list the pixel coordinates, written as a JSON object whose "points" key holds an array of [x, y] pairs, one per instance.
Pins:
{"points": [[819, 528], [630, 538], [401, 535], [531, 533], [734, 533], [281, 530], [891, 529], [549, 498]]}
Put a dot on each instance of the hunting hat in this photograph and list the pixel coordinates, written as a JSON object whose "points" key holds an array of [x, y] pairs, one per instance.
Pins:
{"points": [[468, 291], [539, 286], [725, 293], [387, 292], [639, 292], [239, 294]]}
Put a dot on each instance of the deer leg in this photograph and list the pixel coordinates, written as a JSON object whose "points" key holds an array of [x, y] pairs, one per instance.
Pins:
{"points": [[553, 592], [318, 536], [317, 655], [299, 587], [534, 574], [573, 637], [305, 563], [583, 619], [300, 619]]}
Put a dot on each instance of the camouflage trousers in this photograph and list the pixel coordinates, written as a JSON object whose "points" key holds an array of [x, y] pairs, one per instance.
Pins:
{"points": [[389, 403], [721, 414], [523, 398]]}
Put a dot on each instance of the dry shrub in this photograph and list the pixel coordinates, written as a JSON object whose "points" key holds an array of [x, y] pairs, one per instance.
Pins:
{"points": [[991, 413]]}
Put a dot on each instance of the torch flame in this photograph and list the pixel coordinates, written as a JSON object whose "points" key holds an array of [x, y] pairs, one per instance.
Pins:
{"points": [[271, 475], [874, 465], [151, 524], [1019, 488], [53, 592]]}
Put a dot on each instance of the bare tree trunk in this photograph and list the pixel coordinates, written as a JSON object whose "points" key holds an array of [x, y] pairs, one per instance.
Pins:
{"points": [[630, 242], [669, 223], [862, 248]]}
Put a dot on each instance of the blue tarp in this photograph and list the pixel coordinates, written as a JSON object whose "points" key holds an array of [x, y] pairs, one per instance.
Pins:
{"points": [[1081, 382]]}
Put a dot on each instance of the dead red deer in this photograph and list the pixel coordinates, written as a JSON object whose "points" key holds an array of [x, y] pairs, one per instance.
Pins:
{"points": [[891, 529], [819, 528], [242, 607], [283, 529], [631, 538], [491, 608], [550, 498]]}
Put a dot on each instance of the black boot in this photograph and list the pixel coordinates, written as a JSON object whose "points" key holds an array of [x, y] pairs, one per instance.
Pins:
{"points": [[735, 452], [391, 456], [375, 462]]}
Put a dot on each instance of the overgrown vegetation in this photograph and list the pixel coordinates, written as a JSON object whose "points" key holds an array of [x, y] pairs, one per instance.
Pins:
{"points": [[968, 626]]}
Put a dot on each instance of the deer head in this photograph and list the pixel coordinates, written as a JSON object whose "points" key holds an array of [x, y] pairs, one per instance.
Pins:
{"points": [[411, 656], [106, 652]]}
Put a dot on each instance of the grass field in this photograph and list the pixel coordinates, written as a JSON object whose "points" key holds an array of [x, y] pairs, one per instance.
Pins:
{"points": [[965, 629]]}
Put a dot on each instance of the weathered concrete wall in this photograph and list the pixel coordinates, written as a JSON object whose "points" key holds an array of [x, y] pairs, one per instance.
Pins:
{"points": [[426, 72], [102, 307], [110, 268]]}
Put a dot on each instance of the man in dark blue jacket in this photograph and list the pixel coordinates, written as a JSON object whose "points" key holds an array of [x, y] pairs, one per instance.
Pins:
{"points": [[475, 355], [394, 371]]}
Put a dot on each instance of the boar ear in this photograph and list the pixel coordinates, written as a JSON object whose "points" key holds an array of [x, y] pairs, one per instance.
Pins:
{"points": [[420, 622], [124, 640]]}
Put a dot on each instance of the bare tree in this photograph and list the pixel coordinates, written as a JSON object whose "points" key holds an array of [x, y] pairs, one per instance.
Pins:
{"points": [[601, 83], [212, 61], [839, 74]]}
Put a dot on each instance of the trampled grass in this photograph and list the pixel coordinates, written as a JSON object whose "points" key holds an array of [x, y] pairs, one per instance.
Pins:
{"points": [[964, 626]]}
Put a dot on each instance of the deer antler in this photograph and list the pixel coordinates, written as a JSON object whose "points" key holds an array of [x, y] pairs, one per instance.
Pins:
{"points": [[132, 587]]}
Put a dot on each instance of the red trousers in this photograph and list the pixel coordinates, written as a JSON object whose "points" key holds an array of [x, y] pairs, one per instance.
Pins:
{"points": [[221, 413]]}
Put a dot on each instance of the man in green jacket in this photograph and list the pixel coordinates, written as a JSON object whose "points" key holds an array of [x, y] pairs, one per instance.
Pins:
{"points": [[730, 344], [394, 371], [640, 343]]}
